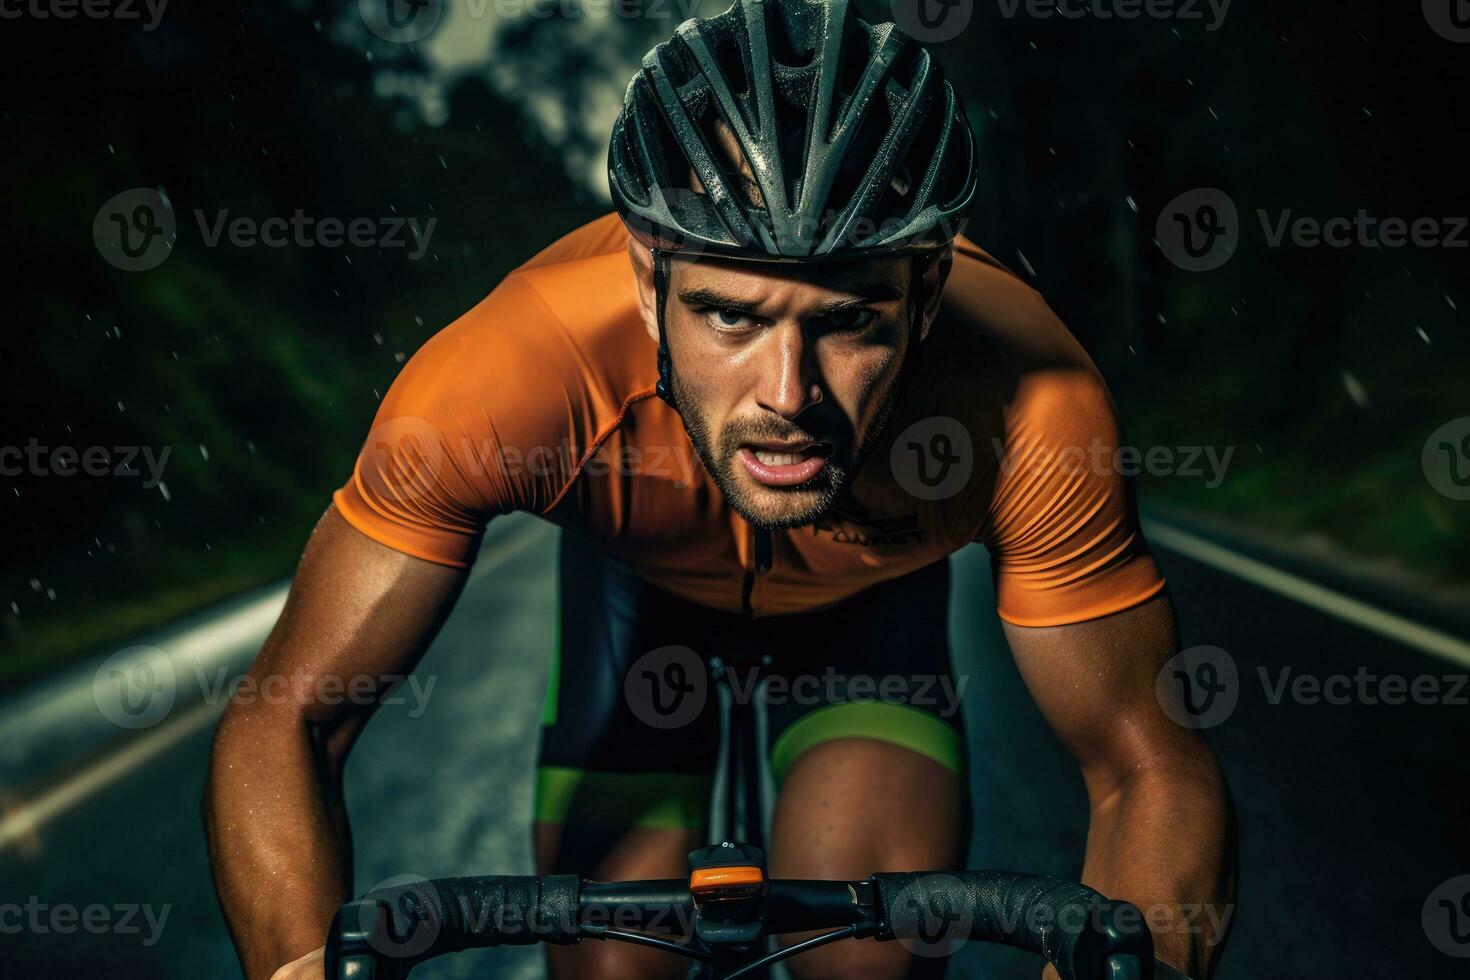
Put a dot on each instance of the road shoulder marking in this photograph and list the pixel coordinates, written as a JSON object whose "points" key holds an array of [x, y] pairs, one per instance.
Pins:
{"points": [[1425, 639]]}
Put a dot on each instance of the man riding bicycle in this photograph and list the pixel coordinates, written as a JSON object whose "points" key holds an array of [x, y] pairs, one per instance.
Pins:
{"points": [[764, 402]]}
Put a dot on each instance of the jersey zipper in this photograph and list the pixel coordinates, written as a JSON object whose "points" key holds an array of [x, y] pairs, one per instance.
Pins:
{"points": [[762, 551]]}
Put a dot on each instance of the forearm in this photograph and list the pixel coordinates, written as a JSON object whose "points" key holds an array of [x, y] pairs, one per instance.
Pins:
{"points": [[1162, 838], [278, 838]]}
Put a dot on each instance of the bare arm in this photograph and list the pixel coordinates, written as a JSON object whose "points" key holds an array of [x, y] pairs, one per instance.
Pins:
{"points": [[1161, 828], [279, 842]]}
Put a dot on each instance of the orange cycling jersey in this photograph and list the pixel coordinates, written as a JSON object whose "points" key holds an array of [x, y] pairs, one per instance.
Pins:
{"points": [[541, 398]]}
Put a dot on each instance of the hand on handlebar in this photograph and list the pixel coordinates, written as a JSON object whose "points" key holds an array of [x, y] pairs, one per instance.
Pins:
{"points": [[312, 966]]}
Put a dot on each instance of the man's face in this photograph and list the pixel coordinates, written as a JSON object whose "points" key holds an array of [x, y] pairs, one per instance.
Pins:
{"points": [[785, 374]]}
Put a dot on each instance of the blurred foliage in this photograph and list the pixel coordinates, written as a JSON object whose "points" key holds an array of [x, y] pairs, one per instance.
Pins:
{"points": [[259, 368]]}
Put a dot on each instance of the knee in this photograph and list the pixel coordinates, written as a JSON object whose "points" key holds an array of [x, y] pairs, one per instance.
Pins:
{"points": [[863, 959]]}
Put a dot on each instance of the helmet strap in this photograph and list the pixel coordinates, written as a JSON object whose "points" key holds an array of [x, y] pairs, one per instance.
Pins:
{"points": [[665, 386]]}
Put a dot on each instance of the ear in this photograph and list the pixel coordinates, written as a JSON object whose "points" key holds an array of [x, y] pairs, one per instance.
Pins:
{"points": [[642, 261], [931, 287]]}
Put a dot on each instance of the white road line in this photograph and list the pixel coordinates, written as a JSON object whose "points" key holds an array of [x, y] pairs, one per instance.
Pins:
{"points": [[21, 824], [1308, 593]]}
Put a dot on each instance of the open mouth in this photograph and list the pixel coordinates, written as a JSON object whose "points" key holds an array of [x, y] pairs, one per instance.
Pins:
{"points": [[784, 465]]}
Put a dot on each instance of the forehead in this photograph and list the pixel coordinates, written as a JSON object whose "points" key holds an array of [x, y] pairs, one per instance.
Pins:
{"points": [[739, 277]]}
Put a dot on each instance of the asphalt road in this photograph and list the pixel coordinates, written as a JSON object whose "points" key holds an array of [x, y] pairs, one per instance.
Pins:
{"points": [[1351, 814]]}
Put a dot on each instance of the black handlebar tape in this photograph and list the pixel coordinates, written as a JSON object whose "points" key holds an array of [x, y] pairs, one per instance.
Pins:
{"points": [[1074, 927], [431, 918]]}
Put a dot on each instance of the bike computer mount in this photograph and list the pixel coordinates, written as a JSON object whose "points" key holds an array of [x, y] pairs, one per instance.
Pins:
{"points": [[728, 884]]}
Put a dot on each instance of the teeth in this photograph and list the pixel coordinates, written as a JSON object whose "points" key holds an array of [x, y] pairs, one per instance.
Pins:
{"points": [[777, 459]]}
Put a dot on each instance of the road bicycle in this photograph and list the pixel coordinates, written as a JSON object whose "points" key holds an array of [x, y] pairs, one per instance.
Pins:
{"points": [[725, 916]]}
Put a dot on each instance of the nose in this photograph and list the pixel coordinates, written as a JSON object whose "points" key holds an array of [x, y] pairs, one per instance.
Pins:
{"points": [[790, 381]]}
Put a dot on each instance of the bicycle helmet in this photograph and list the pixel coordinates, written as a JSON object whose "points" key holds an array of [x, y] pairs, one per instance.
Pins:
{"points": [[789, 130]]}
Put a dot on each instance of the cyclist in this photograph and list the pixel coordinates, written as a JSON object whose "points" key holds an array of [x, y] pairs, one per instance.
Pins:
{"points": [[764, 402]]}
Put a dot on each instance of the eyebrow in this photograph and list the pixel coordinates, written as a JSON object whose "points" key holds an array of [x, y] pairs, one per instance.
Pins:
{"points": [[873, 293]]}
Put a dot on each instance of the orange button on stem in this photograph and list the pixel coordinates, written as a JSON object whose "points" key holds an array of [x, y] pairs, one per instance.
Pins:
{"points": [[741, 878]]}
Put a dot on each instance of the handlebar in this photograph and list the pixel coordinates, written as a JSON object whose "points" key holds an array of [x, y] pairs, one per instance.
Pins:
{"points": [[1077, 930], [387, 932]]}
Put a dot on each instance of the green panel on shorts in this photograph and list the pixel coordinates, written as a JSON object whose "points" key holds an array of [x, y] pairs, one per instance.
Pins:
{"points": [[897, 724], [614, 799], [553, 682]]}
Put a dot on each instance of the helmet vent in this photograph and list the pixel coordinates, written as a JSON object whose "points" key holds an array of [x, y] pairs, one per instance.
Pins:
{"points": [[875, 124], [786, 50], [733, 62], [791, 130], [678, 62], [854, 62]]}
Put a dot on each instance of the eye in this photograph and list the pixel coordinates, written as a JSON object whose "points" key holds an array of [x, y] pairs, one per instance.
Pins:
{"points": [[854, 319], [730, 320]]}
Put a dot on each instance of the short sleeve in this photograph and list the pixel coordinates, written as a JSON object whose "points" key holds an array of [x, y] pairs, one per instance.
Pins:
{"points": [[462, 436], [1062, 527]]}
